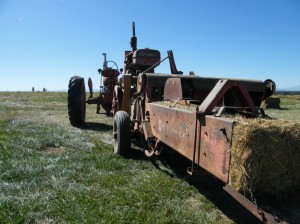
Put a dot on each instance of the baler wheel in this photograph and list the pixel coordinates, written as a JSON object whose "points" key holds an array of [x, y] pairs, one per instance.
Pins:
{"points": [[76, 101], [121, 133]]}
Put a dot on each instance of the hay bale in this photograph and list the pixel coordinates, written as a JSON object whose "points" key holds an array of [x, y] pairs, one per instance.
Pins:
{"points": [[265, 156], [271, 103]]}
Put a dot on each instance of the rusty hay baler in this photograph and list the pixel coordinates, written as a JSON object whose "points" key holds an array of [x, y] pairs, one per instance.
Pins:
{"points": [[182, 112]]}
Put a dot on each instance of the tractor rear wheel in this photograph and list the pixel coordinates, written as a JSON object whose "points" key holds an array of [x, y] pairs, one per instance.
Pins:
{"points": [[121, 133], [76, 101]]}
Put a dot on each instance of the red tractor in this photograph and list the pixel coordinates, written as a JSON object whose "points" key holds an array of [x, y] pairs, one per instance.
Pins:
{"points": [[111, 89], [76, 93]]}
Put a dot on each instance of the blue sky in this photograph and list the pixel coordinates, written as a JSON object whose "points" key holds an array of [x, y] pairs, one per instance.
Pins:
{"points": [[45, 42]]}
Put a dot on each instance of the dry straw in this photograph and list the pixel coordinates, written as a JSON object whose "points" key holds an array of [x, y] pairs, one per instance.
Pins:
{"points": [[265, 156]]}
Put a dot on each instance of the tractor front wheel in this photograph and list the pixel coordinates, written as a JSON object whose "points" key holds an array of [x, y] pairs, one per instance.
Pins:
{"points": [[76, 101], [121, 133]]}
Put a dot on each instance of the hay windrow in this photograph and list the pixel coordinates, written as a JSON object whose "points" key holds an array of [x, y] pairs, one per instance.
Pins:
{"points": [[265, 156]]}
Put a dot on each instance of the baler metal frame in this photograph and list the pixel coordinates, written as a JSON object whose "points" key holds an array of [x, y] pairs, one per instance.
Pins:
{"points": [[202, 135], [149, 105]]}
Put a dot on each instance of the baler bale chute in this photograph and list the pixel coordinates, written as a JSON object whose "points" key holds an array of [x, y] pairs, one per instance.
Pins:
{"points": [[195, 116]]}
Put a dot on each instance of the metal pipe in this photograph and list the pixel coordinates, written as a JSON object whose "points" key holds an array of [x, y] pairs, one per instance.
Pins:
{"points": [[155, 65]]}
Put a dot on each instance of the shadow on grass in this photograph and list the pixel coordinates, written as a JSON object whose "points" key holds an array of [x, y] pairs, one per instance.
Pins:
{"points": [[284, 108], [96, 126], [136, 152], [287, 208], [208, 185], [280, 108]]}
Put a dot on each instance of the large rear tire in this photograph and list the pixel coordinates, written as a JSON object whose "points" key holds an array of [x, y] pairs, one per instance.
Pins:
{"points": [[76, 101], [121, 133]]}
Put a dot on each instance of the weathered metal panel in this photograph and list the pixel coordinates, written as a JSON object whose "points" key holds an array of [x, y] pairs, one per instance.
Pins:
{"points": [[147, 130], [263, 216], [126, 94], [215, 142], [173, 90], [174, 127], [203, 83]]}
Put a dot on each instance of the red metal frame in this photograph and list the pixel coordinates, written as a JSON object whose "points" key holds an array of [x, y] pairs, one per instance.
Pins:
{"points": [[218, 92], [197, 134], [263, 216]]}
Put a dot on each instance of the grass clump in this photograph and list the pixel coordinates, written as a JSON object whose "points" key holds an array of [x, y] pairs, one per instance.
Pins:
{"points": [[289, 108]]}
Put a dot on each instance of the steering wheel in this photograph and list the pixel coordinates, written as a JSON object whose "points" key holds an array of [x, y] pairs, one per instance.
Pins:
{"points": [[113, 64]]}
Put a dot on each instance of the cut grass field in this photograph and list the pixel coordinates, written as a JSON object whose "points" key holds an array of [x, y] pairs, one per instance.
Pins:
{"points": [[52, 172], [289, 108]]}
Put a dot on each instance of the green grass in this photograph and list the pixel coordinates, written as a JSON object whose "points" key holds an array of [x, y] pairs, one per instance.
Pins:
{"points": [[290, 108], [51, 172]]}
